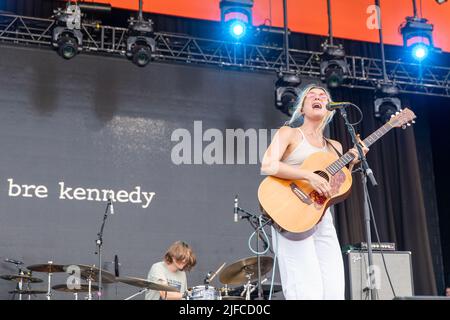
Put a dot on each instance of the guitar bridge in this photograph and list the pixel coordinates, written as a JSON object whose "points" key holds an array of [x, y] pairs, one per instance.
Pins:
{"points": [[300, 194]]}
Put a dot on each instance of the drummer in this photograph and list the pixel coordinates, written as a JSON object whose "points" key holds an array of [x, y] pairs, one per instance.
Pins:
{"points": [[178, 259]]}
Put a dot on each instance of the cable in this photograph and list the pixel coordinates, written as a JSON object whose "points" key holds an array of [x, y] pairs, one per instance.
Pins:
{"points": [[379, 242], [421, 15], [360, 113], [260, 227], [270, 12]]}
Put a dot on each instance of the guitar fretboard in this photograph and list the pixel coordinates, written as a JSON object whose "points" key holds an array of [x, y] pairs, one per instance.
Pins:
{"points": [[336, 166]]}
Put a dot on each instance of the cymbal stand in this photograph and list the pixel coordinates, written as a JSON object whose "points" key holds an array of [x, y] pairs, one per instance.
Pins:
{"points": [[76, 295], [258, 222], [248, 288], [20, 283], [89, 279], [49, 281]]}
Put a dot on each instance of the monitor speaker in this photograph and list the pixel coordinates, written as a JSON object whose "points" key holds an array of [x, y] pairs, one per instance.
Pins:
{"points": [[398, 265]]}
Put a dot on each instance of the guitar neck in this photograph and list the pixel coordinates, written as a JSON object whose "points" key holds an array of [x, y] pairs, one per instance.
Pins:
{"points": [[348, 156]]}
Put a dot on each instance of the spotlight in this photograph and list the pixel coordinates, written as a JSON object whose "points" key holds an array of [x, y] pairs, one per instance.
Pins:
{"points": [[333, 67], [236, 17], [141, 47], [237, 28], [66, 35], [418, 37], [286, 92], [386, 101]]}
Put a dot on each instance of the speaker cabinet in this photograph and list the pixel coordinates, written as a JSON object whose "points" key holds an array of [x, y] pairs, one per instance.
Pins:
{"points": [[398, 265]]}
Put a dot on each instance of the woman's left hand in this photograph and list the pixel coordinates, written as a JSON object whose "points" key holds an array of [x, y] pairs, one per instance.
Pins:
{"points": [[354, 151]]}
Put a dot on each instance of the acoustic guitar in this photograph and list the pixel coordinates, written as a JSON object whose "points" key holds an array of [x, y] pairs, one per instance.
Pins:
{"points": [[295, 207]]}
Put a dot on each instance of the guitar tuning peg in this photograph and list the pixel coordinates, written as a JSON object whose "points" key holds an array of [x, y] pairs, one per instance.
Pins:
{"points": [[397, 112], [392, 116], [413, 121], [403, 127], [408, 124]]}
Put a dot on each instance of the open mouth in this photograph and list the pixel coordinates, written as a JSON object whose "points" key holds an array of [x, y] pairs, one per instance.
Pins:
{"points": [[317, 105]]}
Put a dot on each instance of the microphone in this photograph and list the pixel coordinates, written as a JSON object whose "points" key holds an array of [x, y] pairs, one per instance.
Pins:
{"points": [[13, 261], [116, 265], [111, 207], [236, 217], [337, 105]]}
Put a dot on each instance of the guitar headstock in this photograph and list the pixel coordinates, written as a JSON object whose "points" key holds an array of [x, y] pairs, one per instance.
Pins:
{"points": [[402, 118]]}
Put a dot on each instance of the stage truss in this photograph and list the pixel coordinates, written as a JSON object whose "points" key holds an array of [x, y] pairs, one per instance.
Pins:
{"points": [[365, 72]]}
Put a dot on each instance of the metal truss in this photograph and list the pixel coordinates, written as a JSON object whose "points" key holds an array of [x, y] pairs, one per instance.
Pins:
{"points": [[364, 72]]}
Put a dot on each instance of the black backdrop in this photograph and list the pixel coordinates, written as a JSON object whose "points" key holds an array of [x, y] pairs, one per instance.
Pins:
{"points": [[103, 123]]}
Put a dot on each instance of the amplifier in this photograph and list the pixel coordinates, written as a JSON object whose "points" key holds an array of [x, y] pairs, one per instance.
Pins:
{"points": [[399, 267]]}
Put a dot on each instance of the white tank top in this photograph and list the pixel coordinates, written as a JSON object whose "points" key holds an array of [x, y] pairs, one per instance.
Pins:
{"points": [[296, 157], [303, 150]]}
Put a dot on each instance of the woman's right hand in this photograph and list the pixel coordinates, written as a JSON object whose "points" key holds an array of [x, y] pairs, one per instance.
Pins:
{"points": [[319, 184]]}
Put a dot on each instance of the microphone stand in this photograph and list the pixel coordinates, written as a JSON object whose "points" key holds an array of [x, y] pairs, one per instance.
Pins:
{"points": [[366, 172], [99, 243], [249, 216]]}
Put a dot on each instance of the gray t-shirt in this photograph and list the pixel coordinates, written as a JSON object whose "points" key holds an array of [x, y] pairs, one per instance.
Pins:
{"points": [[159, 273]]}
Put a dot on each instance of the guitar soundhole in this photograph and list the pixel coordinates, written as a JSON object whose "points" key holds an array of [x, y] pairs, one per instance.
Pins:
{"points": [[323, 175]]}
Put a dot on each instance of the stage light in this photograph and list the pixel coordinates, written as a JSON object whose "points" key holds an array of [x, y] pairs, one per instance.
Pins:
{"points": [[418, 37], [141, 46], [236, 18], [237, 29], [66, 35], [419, 51], [386, 102], [286, 92], [333, 67]]}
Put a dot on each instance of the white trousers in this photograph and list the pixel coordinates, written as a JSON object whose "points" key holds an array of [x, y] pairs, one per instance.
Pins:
{"points": [[312, 268]]}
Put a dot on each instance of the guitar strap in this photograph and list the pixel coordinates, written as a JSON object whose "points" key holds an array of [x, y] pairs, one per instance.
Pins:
{"points": [[334, 148]]}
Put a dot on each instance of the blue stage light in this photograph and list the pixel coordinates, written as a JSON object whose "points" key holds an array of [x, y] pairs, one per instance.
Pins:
{"points": [[237, 29], [419, 51]]}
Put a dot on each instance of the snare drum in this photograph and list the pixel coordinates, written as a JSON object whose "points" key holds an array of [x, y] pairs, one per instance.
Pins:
{"points": [[203, 293]]}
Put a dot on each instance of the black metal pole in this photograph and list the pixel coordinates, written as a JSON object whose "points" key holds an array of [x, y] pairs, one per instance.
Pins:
{"points": [[380, 32], [140, 10], [286, 35], [366, 172], [414, 8], [330, 23]]}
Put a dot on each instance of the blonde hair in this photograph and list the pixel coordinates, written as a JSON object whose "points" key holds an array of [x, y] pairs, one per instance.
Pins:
{"points": [[297, 117], [181, 251]]}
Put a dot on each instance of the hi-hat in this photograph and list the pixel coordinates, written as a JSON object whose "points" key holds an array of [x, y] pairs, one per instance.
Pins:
{"points": [[76, 289], [245, 270], [20, 277], [46, 267], [143, 283], [92, 273]]}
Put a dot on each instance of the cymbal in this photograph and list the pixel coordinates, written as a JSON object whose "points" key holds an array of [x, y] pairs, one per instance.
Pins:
{"points": [[90, 272], [25, 291], [18, 277], [245, 269], [46, 267], [143, 283], [82, 288]]}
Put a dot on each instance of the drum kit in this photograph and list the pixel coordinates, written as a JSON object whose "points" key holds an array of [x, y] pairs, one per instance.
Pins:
{"points": [[242, 273], [90, 274]]}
